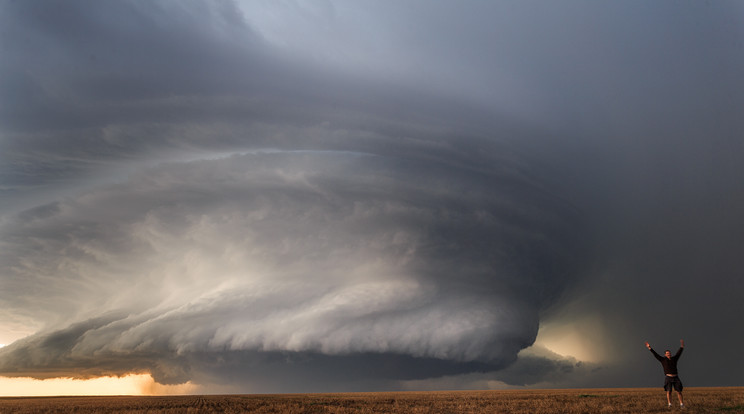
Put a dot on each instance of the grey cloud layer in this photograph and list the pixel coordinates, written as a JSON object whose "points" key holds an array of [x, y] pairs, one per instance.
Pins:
{"points": [[428, 153], [303, 252]]}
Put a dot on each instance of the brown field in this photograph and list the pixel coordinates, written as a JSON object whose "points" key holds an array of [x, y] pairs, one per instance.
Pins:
{"points": [[640, 400]]}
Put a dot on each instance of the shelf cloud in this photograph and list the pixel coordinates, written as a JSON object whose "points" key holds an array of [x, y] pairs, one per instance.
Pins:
{"points": [[308, 253]]}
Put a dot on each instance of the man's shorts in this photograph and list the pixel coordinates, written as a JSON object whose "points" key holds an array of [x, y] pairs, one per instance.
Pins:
{"points": [[672, 382]]}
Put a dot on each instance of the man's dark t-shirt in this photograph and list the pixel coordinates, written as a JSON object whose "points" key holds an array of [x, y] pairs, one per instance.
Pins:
{"points": [[669, 364]]}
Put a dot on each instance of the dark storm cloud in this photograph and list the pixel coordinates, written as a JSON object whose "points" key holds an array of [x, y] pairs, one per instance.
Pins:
{"points": [[415, 262], [416, 187], [85, 63], [92, 88]]}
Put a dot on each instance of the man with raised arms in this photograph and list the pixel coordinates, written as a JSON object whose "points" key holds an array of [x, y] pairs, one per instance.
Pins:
{"points": [[669, 362]]}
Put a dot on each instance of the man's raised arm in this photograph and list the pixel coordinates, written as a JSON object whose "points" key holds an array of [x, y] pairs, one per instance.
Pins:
{"points": [[681, 348], [657, 356]]}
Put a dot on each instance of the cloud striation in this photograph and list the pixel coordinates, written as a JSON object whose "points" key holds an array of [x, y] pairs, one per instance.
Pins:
{"points": [[291, 252]]}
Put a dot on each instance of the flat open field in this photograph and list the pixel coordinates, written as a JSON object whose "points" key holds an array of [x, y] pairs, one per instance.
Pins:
{"points": [[642, 400]]}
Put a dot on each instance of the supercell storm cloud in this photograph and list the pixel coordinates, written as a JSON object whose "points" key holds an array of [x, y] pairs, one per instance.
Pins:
{"points": [[306, 252], [321, 196]]}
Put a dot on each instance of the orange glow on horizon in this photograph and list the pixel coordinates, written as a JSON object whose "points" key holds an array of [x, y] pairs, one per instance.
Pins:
{"points": [[139, 384]]}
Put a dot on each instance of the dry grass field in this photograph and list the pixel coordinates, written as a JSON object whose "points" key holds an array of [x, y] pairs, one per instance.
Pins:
{"points": [[699, 400]]}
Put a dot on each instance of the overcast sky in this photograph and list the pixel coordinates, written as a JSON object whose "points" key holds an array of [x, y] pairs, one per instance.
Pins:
{"points": [[293, 196]]}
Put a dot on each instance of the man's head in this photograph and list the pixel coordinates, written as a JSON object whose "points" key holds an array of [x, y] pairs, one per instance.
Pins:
{"points": [[668, 353]]}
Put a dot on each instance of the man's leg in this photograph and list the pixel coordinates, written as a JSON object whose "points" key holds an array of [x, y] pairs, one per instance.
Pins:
{"points": [[669, 397], [678, 388]]}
